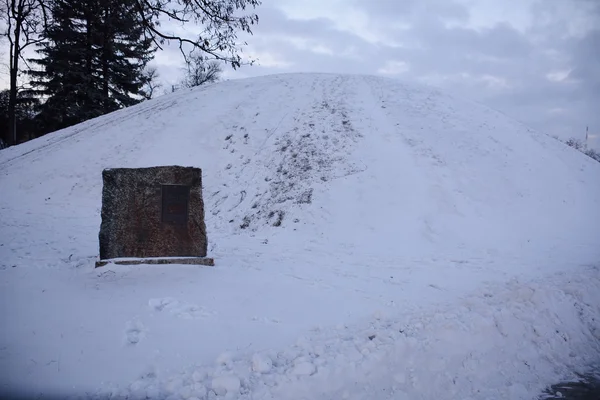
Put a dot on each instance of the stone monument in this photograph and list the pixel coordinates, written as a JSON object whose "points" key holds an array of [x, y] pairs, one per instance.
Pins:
{"points": [[153, 215]]}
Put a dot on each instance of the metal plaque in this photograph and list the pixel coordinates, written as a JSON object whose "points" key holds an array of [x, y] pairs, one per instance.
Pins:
{"points": [[175, 200]]}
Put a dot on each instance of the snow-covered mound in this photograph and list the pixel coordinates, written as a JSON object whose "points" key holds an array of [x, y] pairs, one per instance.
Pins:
{"points": [[329, 199]]}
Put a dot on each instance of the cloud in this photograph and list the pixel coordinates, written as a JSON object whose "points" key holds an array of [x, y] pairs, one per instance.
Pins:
{"points": [[394, 68], [535, 60]]}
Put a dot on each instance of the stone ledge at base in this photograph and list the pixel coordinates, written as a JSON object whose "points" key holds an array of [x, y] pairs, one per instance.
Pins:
{"points": [[210, 262]]}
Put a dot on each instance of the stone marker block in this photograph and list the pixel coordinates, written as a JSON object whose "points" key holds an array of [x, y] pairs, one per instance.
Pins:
{"points": [[152, 212]]}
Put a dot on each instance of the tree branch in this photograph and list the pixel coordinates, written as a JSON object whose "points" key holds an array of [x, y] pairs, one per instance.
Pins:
{"points": [[218, 38]]}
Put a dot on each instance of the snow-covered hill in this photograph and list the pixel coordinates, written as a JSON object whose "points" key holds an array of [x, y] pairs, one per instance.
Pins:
{"points": [[380, 235]]}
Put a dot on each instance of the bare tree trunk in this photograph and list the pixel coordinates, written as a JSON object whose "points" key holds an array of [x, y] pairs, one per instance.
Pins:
{"points": [[24, 21], [12, 107], [88, 59], [105, 58], [15, 52]]}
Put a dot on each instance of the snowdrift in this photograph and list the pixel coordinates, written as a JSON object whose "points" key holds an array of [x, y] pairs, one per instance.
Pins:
{"points": [[400, 232]]}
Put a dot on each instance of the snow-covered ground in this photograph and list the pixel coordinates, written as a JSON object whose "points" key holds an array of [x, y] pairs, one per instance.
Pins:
{"points": [[372, 239]]}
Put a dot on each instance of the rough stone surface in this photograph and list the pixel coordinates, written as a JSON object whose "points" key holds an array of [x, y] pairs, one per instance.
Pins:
{"points": [[144, 215]]}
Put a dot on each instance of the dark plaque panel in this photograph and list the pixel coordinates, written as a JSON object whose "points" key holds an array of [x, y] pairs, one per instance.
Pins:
{"points": [[175, 204]]}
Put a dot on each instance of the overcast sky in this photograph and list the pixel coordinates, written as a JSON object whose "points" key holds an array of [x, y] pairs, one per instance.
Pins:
{"points": [[536, 60]]}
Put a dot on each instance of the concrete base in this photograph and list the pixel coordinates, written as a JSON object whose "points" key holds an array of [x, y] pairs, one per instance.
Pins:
{"points": [[210, 262]]}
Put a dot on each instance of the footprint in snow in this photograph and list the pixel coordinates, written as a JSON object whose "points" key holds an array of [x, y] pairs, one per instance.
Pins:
{"points": [[265, 320], [178, 308], [134, 332]]}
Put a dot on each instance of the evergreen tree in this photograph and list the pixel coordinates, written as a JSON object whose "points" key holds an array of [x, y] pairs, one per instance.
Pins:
{"points": [[92, 61], [64, 80], [126, 51]]}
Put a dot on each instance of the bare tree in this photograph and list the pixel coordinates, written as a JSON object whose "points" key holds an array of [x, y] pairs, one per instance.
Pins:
{"points": [[199, 71], [151, 84], [582, 147], [24, 21], [3, 64], [219, 21]]}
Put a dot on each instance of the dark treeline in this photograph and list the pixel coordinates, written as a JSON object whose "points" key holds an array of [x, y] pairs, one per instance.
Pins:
{"points": [[92, 61], [90, 57]]}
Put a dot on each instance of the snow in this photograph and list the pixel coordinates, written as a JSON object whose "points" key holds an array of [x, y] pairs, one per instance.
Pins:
{"points": [[261, 363], [372, 239], [223, 385]]}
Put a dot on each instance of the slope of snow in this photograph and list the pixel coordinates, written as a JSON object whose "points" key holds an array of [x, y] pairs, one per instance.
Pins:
{"points": [[372, 239]]}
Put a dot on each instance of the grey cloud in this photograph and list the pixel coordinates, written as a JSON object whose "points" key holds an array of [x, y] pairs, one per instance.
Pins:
{"points": [[277, 35], [409, 9], [277, 26], [586, 60], [476, 62], [521, 59], [275, 21], [494, 51], [501, 41]]}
